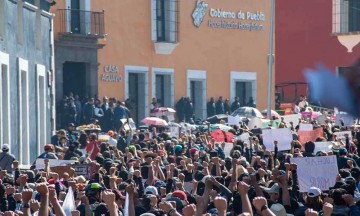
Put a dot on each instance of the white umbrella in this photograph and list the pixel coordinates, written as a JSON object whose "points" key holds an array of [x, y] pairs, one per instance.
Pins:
{"points": [[248, 112]]}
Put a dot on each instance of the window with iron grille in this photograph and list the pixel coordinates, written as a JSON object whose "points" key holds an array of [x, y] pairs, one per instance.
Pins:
{"points": [[166, 21], [346, 16]]}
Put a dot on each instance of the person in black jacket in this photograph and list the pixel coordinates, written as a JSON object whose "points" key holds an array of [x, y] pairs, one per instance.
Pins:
{"points": [[180, 109], [189, 109], [211, 109], [220, 108], [236, 104], [89, 111]]}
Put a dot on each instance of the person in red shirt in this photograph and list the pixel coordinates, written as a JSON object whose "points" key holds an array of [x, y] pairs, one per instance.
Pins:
{"points": [[93, 147]]}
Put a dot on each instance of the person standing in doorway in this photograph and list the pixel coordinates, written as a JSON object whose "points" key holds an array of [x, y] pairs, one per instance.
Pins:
{"points": [[189, 109], [180, 109], [251, 102], [78, 110], [154, 104], [70, 111], [89, 111], [211, 109], [236, 104], [220, 108], [105, 104]]}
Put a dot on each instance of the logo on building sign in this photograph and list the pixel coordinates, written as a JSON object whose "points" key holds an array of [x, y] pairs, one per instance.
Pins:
{"points": [[199, 12], [228, 19]]}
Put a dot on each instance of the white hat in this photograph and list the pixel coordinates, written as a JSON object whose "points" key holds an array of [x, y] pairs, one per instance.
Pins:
{"points": [[278, 209], [313, 192], [5, 147], [152, 190], [274, 189]]}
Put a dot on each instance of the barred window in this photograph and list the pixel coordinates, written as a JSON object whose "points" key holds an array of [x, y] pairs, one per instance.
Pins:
{"points": [[346, 16], [166, 20]]}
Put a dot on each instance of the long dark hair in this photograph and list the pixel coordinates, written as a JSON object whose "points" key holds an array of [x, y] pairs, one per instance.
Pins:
{"points": [[83, 140]]}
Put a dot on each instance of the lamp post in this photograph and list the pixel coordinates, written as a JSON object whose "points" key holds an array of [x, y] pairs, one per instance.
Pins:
{"points": [[271, 58]]}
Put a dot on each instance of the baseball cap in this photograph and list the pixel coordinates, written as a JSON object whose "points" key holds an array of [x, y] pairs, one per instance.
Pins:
{"points": [[111, 133], [314, 192], [274, 189], [5, 147], [180, 194], [343, 151], [151, 190]]}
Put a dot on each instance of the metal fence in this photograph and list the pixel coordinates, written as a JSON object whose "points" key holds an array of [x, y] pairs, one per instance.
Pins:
{"points": [[166, 15], [81, 22], [346, 16]]}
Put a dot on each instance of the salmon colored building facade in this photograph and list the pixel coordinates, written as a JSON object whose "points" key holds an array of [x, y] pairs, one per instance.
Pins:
{"points": [[166, 49]]}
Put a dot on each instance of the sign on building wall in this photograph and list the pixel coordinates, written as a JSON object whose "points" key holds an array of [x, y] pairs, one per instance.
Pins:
{"points": [[228, 19], [111, 74]]}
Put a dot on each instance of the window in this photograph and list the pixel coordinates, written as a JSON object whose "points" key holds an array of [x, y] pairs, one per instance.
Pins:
{"points": [[2, 18], [165, 20], [20, 23], [5, 132], [41, 109], [23, 95], [346, 16]]}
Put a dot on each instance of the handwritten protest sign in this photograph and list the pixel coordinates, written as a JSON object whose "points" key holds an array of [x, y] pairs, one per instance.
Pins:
{"points": [[227, 149], [292, 118], [305, 127], [347, 119], [341, 135], [317, 172], [305, 136], [174, 131], [233, 120], [244, 137], [282, 135], [322, 146], [52, 163], [82, 169], [262, 123], [129, 125]]}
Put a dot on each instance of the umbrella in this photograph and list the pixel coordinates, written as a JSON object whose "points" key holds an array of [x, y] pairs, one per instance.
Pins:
{"points": [[163, 111], [154, 121], [216, 118], [248, 112], [273, 113], [220, 126], [222, 136], [174, 124]]}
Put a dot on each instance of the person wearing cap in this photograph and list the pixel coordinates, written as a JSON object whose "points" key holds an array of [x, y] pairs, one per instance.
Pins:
{"points": [[70, 111], [89, 111], [93, 192], [312, 201], [49, 152], [70, 132], [112, 141], [6, 158]]}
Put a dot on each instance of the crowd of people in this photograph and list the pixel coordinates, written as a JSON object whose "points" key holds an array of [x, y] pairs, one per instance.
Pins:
{"points": [[150, 173], [108, 111]]}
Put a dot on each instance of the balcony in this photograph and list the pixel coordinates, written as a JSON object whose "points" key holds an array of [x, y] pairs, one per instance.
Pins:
{"points": [[80, 23]]}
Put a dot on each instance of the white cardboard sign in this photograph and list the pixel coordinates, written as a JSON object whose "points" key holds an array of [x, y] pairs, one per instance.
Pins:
{"points": [[292, 118], [342, 135], [347, 119], [317, 172], [233, 120], [244, 137], [227, 149], [282, 135], [322, 146], [52, 163], [306, 127]]}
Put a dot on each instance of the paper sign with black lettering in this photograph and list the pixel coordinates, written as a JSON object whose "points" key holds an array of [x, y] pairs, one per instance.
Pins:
{"points": [[82, 169], [282, 135], [317, 172], [305, 127]]}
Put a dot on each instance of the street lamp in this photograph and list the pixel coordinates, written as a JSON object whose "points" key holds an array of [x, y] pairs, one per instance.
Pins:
{"points": [[271, 58]]}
